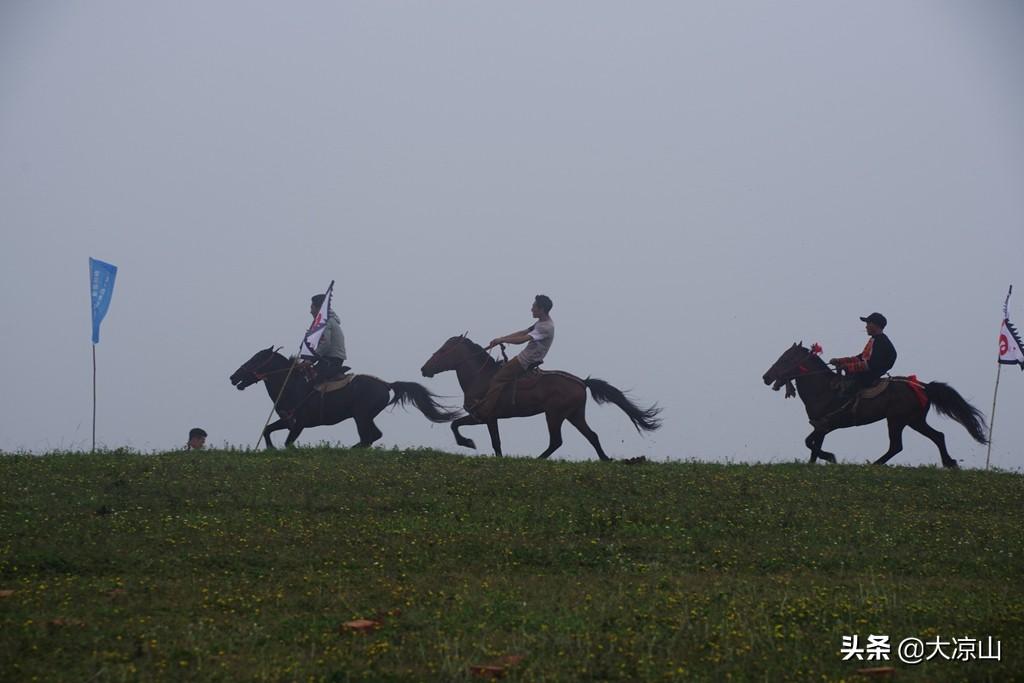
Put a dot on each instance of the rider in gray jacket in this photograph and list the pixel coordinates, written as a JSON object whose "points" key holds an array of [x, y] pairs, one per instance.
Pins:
{"points": [[330, 350]]}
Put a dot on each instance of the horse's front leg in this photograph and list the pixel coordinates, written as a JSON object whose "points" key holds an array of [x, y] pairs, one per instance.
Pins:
{"points": [[293, 433], [271, 428], [814, 441], [492, 427], [461, 422]]}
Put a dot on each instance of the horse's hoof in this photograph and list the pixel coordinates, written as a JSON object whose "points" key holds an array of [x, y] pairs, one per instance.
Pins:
{"points": [[468, 443]]}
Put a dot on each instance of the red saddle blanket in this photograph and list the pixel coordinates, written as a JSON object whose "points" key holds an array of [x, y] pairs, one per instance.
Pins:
{"points": [[911, 380]]}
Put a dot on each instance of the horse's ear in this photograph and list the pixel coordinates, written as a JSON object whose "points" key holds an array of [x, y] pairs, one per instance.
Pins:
{"points": [[273, 350], [801, 343], [466, 333]]}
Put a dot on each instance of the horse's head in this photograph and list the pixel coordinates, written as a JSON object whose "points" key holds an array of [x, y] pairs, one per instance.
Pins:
{"points": [[451, 355], [795, 361], [254, 369]]}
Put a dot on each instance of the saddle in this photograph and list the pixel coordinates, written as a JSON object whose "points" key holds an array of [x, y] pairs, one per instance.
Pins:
{"points": [[534, 375], [874, 391], [310, 373], [334, 384]]}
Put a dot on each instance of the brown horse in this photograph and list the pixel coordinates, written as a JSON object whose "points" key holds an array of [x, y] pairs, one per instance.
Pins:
{"points": [[904, 403], [559, 395]]}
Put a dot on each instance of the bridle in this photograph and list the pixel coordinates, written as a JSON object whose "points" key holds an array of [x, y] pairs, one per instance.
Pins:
{"points": [[260, 376], [797, 369], [464, 340]]}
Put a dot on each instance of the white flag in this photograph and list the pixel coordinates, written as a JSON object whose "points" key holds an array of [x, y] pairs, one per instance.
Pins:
{"points": [[316, 330], [1010, 352]]}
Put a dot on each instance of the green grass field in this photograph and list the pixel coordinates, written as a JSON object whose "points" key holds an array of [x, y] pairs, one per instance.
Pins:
{"points": [[233, 566]]}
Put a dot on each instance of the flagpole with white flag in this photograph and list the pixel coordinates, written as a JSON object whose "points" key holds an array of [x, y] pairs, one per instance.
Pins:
{"points": [[992, 417], [101, 285], [1011, 352], [307, 349]]}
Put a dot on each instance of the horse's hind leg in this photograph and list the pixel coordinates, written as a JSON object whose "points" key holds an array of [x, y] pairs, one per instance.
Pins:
{"points": [[895, 441], [492, 429], [368, 431], [937, 438], [579, 420], [555, 432]]}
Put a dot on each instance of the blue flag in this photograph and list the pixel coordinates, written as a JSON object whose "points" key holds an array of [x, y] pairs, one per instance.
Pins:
{"points": [[101, 278]]}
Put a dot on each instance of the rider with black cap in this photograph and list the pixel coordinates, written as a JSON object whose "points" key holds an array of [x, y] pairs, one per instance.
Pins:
{"points": [[877, 358]]}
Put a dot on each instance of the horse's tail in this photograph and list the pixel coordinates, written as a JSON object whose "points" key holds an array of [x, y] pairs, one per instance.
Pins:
{"points": [[951, 404], [642, 418], [419, 396]]}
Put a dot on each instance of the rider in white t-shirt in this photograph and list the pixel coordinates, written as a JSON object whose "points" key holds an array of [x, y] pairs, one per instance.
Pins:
{"points": [[537, 337]]}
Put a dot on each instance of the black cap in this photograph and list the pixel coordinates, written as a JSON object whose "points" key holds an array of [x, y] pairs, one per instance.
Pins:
{"points": [[876, 318], [196, 431]]}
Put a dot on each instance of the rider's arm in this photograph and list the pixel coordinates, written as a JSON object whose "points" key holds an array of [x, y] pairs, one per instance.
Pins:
{"points": [[851, 363], [520, 337], [847, 363]]}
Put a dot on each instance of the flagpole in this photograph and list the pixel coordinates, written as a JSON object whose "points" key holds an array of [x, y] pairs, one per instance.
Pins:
{"points": [[93, 398], [992, 415], [305, 342], [279, 395]]}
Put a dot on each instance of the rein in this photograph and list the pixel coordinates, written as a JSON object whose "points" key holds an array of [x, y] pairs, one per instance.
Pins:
{"points": [[487, 357], [801, 370], [260, 376]]}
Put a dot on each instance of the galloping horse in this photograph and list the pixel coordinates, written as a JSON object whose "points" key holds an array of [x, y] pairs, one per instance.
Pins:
{"points": [[362, 399], [904, 403], [559, 395]]}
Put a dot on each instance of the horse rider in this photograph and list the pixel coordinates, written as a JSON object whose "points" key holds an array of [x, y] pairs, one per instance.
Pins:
{"points": [[877, 358], [329, 361], [537, 337], [330, 350]]}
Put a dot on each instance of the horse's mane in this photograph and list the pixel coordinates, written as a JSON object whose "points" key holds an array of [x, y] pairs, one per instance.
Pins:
{"points": [[815, 359], [474, 347], [476, 350], [819, 362]]}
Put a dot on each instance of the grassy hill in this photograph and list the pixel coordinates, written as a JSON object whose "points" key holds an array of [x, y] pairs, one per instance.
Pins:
{"points": [[234, 566]]}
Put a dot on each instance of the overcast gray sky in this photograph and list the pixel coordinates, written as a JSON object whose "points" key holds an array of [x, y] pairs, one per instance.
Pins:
{"points": [[696, 185]]}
